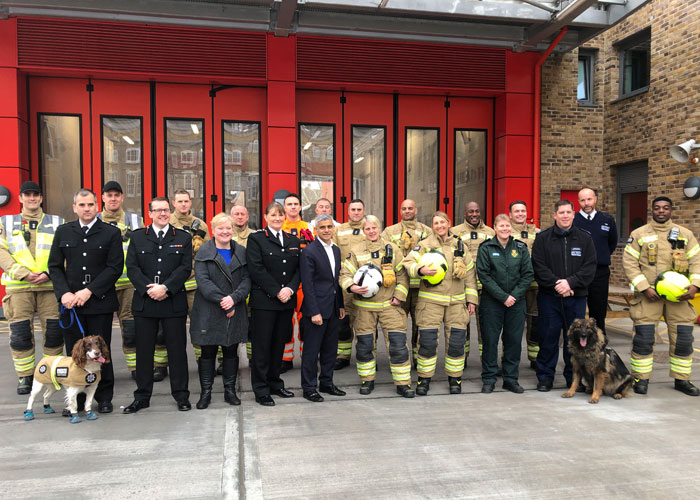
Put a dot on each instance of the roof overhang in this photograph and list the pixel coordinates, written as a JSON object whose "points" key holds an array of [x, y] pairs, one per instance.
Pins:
{"points": [[519, 25]]}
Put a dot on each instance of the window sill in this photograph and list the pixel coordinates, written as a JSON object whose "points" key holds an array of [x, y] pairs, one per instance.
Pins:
{"points": [[585, 104], [642, 90]]}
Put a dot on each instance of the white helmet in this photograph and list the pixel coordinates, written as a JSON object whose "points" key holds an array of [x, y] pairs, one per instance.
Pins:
{"points": [[371, 277]]}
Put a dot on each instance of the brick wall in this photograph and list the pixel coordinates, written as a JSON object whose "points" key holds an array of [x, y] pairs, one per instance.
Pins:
{"points": [[584, 144]]}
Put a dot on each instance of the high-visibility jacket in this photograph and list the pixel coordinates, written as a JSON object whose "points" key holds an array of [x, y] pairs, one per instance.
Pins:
{"points": [[450, 290], [407, 235], [473, 236], [649, 253], [185, 223], [18, 257], [347, 235], [126, 222], [374, 252], [525, 233], [240, 236]]}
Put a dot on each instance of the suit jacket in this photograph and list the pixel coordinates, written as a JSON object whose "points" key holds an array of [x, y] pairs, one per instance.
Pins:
{"points": [[322, 294], [168, 262], [271, 268], [94, 260]]}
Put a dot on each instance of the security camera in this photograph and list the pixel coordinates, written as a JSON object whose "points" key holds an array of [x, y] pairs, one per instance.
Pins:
{"points": [[681, 152]]}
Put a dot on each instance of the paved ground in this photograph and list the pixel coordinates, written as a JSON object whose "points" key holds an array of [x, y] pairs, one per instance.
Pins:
{"points": [[535, 445]]}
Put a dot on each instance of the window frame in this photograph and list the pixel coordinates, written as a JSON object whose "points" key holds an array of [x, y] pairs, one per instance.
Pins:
{"points": [[622, 237], [588, 56], [300, 153], [623, 47], [355, 187]]}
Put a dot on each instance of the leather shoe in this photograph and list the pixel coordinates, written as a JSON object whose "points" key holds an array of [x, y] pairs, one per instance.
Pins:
{"points": [[314, 397], [184, 405], [341, 363], [265, 400], [513, 387], [137, 405], [641, 386], [159, 373], [283, 393], [544, 386], [487, 387], [105, 407], [686, 387], [332, 390]]}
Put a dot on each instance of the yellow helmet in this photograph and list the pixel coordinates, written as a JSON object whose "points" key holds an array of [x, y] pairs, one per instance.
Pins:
{"points": [[434, 260], [671, 285]]}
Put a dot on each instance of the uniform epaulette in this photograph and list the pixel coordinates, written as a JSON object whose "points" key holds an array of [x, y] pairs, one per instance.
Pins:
{"points": [[519, 244]]}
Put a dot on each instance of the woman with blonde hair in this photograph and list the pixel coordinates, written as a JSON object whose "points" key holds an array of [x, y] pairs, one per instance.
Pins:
{"points": [[219, 316]]}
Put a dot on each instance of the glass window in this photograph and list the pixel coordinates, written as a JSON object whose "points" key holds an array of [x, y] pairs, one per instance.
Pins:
{"points": [[470, 171], [635, 63], [60, 162], [121, 138], [184, 144], [422, 163], [632, 185], [316, 172], [584, 89], [368, 168], [242, 170]]}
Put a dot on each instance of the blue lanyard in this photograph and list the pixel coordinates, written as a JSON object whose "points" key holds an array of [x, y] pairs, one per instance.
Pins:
{"points": [[73, 319]]}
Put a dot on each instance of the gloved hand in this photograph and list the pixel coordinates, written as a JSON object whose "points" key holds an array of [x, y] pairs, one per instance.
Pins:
{"points": [[407, 241], [680, 261], [388, 275], [459, 270], [196, 243], [306, 236]]}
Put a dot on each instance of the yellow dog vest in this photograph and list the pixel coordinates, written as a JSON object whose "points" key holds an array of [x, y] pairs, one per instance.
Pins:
{"points": [[62, 370]]}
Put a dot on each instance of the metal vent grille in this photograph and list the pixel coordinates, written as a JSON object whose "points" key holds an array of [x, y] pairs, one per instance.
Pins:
{"points": [[100, 46], [377, 62]]}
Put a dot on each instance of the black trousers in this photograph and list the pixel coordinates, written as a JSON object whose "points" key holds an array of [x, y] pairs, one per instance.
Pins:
{"points": [[319, 340], [598, 296], [270, 331], [175, 335], [94, 324]]}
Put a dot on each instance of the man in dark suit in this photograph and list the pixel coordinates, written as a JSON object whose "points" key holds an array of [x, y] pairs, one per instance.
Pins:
{"points": [[322, 310], [158, 262], [273, 263], [85, 262]]}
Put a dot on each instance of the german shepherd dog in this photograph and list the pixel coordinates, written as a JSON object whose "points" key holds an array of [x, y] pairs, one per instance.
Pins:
{"points": [[597, 364]]}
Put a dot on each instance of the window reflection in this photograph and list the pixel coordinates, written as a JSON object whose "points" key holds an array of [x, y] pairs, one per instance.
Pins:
{"points": [[422, 153], [184, 143], [470, 171], [121, 158], [241, 160], [316, 146], [60, 162], [368, 168]]}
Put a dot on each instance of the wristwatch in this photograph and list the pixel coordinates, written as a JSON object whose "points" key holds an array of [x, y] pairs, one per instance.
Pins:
{"points": [[166, 288]]}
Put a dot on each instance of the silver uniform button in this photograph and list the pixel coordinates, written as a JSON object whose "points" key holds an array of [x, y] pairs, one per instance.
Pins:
{"points": [[84, 240], [284, 261], [84, 254], [284, 274], [84, 268], [158, 272], [160, 248], [159, 260]]}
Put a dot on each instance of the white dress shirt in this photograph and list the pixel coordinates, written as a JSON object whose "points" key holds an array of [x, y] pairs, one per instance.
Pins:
{"points": [[329, 252], [585, 215]]}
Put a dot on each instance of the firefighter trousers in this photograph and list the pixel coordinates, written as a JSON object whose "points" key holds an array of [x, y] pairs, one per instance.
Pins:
{"points": [[20, 308], [409, 307], [467, 343], [345, 332], [532, 335], [679, 317], [455, 318]]}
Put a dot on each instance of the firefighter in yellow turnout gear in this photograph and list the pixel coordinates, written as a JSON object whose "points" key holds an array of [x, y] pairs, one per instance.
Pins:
{"points": [[659, 246], [522, 231], [25, 242], [241, 231], [443, 303], [407, 234], [127, 222], [383, 308], [182, 218], [346, 236], [473, 232]]}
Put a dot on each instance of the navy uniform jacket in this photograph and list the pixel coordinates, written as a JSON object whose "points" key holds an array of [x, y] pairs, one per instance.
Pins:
{"points": [[94, 261], [168, 262], [603, 230], [322, 294], [272, 268]]}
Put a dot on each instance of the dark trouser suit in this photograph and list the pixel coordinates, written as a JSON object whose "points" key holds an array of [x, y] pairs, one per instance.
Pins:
{"points": [[175, 335], [94, 324], [495, 316], [318, 340], [556, 315], [598, 296], [271, 330]]}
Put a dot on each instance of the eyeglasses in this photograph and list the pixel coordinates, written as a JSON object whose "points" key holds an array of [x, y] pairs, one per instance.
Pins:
{"points": [[161, 211]]}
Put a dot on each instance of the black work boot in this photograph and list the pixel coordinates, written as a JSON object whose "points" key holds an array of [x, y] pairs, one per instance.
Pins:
{"points": [[686, 387], [159, 373], [25, 385], [455, 385], [423, 386], [641, 386], [405, 391], [206, 381], [229, 374], [341, 363], [367, 387]]}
